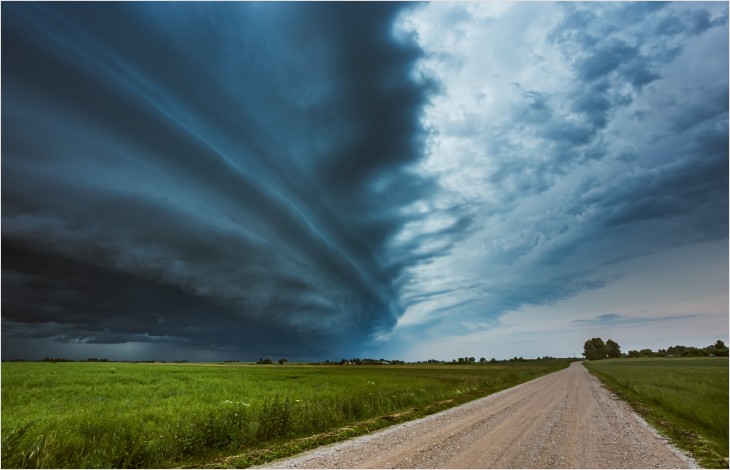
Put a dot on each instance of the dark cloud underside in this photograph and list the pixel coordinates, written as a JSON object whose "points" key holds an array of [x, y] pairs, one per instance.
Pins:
{"points": [[225, 176]]}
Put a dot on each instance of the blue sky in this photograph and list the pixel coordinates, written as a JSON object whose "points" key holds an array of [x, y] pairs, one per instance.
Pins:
{"points": [[212, 181]]}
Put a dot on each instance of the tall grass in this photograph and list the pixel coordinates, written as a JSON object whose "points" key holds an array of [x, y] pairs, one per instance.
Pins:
{"points": [[82, 415], [684, 398]]}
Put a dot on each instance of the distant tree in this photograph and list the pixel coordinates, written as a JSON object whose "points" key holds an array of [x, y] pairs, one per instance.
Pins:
{"points": [[634, 353], [283, 360], [717, 349], [493, 360], [594, 349], [677, 350], [482, 360], [264, 360], [613, 349], [720, 349]]}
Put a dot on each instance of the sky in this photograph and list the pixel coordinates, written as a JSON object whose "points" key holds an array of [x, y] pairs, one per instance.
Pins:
{"points": [[229, 181]]}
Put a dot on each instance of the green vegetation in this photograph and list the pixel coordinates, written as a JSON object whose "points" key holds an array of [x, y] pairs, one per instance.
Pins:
{"points": [[595, 349], [104, 414], [686, 399], [717, 349]]}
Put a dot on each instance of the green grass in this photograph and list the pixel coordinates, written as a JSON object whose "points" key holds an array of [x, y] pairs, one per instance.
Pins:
{"points": [[83, 415], [686, 399]]}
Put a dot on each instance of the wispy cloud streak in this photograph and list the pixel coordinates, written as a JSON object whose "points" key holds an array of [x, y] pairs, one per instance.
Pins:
{"points": [[231, 174]]}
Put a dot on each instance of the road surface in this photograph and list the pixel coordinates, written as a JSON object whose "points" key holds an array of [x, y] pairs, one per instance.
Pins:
{"points": [[562, 420]]}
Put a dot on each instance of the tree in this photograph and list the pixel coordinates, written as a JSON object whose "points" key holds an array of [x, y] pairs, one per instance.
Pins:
{"points": [[283, 360], [594, 349], [717, 349], [646, 353], [613, 349]]}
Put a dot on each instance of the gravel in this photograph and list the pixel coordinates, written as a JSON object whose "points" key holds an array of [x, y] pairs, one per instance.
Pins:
{"points": [[563, 420]]}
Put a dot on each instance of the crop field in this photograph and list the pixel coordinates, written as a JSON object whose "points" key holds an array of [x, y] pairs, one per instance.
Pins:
{"points": [[684, 398], [81, 415]]}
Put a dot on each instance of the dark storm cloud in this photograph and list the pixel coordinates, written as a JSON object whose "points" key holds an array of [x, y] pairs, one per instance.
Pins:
{"points": [[545, 291], [594, 105], [605, 59], [688, 178], [221, 175], [610, 70], [688, 191], [677, 192], [701, 20], [712, 104], [680, 201]]}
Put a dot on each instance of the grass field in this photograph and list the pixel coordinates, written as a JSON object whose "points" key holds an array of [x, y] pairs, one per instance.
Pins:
{"points": [[686, 399], [121, 415]]}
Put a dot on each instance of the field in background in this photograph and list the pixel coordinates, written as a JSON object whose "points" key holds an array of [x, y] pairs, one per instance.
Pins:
{"points": [[686, 399], [121, 415]]}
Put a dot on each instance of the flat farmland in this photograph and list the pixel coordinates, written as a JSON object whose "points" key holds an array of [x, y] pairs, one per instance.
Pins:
{"points": [[686, 399], [81, 415]]}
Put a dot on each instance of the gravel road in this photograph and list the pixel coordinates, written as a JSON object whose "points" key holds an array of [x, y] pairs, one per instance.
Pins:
{"points": [[562, 420]]}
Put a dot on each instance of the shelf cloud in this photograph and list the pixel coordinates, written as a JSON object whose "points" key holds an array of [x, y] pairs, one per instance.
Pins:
{"points": [[231, 180]]}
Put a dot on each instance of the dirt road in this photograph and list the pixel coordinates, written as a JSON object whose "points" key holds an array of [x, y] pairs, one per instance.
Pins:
{"points": [[562, 420]]}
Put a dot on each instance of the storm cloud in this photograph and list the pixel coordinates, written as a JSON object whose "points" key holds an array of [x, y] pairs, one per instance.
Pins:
{"points": [[319, 180], [221, 175], [583, 140]]}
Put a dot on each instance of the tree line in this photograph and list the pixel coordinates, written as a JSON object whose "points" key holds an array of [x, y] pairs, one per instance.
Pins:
{"points": [[717, 349], [342, 362], [595, 349]]}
